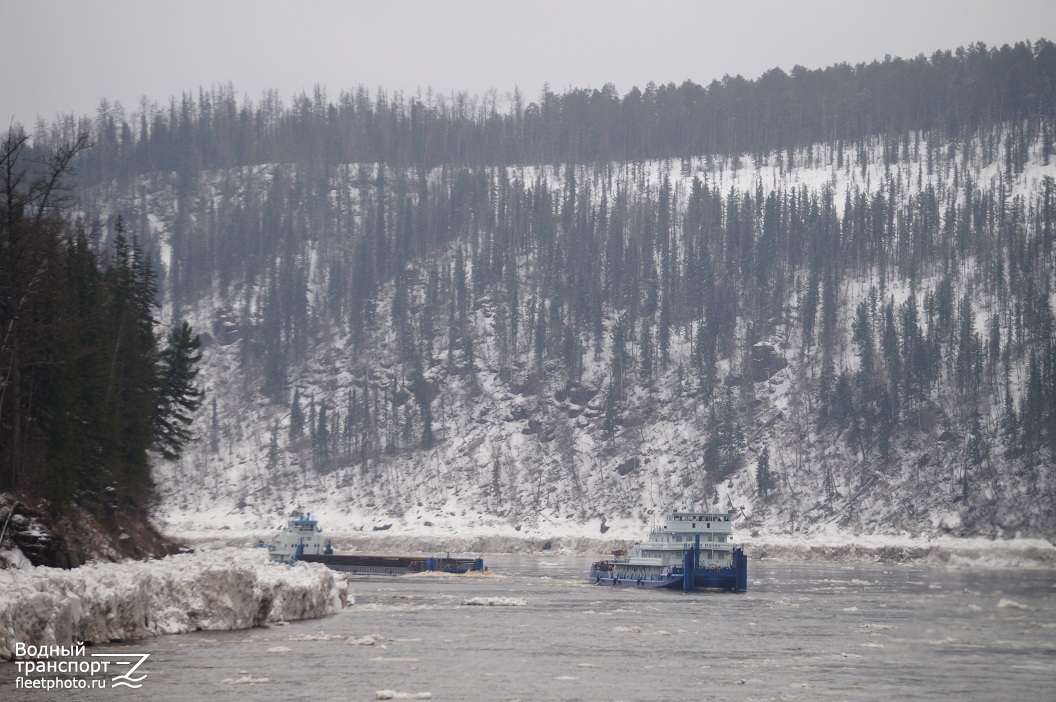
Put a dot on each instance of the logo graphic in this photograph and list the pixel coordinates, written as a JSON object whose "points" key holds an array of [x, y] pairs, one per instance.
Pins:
{"points": [[126, 659]]}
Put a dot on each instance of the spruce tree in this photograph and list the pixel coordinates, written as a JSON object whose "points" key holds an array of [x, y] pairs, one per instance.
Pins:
{"points": [[1010, 427], [214, 430], [723, 450], [296, 429], [179, 397], [423, 396], [274, 459], [321, 439], [645, 356], [611, 417], [763, 478]]}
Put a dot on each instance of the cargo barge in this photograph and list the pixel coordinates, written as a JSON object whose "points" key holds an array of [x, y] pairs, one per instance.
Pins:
{"points": [[302, 540]]}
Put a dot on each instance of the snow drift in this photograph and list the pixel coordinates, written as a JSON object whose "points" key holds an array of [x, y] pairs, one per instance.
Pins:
{"points": [[212, 590]]}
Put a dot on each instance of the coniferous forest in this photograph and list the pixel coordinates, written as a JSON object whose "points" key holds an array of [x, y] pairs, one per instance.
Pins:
{"points": [[820, 296], [88, 390]]}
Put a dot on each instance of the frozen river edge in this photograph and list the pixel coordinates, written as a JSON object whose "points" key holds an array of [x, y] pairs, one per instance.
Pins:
{"points": [[234, 587], [209, 590], [828, 546]]}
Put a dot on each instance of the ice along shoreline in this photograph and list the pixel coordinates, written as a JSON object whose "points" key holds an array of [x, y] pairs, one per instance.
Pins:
{"points": [[828, 546], [208, 590]]}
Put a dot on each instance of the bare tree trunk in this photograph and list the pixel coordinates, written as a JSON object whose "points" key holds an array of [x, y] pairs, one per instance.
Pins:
{"points": [[12, 147]]}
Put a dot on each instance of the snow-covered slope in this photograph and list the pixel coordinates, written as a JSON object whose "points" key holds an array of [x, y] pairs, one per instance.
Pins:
{"points": [[510, 461]]}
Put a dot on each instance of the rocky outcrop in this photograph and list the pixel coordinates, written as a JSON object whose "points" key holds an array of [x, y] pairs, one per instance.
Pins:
{"points": [[71, 536]]}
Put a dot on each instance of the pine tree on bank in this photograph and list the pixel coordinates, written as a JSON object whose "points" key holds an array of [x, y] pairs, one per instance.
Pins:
{"points": [[178, 398]]}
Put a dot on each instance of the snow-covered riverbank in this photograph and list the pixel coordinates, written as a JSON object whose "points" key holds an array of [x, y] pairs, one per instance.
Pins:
{"points": [[821, 545], [216, 589], [938, 551]]}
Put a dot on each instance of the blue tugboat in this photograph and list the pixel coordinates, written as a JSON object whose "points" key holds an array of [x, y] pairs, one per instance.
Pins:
{"points": [[302, 540], [693, 549]]}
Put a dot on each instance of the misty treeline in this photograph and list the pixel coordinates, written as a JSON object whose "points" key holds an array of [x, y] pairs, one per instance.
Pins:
{"points": [[447, 238], [950, 95], [86, 388]]}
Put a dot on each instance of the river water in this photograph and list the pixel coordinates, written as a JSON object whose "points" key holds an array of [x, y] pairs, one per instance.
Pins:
{"points": [[802, 631]]}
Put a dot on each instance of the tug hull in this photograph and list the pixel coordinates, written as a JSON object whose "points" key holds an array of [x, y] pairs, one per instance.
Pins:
{"points": [[690, 576]]}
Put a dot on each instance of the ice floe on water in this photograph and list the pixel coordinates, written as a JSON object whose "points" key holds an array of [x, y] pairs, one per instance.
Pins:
{"points": [[496, 601], [396, 695], [321, 636], [245, 680], [1006, 603], [210, 590]]}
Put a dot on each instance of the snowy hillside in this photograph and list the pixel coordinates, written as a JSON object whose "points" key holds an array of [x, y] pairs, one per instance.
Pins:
{"points": [[520, 445]]}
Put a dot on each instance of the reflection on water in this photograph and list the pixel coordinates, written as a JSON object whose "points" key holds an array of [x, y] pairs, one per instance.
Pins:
{"points": [[540, 631]]}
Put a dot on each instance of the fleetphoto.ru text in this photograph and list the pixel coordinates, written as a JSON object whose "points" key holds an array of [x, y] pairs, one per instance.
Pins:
{"points": [[71, 668]]}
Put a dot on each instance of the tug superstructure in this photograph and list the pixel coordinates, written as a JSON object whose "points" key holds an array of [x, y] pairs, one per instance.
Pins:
{"points": [[692, 549]]}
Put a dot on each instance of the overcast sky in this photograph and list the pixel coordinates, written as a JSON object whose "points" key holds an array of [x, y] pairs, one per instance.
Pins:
{"points": [[60, 56]]}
